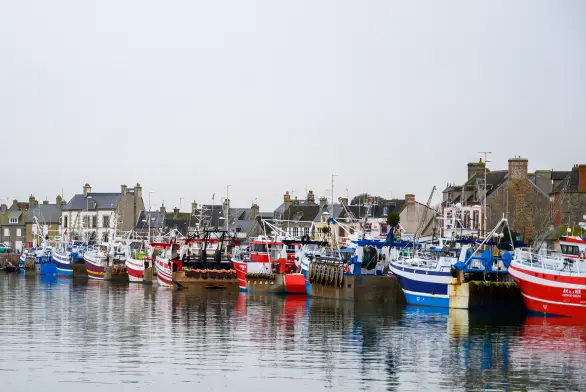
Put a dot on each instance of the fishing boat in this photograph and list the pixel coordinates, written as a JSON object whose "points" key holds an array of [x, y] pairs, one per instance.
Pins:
{"points": [[166, 262], [136, 263], [425, 275], [551, 283], [573, 247], [96, 261], [268, 267], [9, 267]]}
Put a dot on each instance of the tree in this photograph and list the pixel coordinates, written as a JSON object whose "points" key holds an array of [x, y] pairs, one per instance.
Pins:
{"points": [[325, 229], [393, 219], [363, 198]]}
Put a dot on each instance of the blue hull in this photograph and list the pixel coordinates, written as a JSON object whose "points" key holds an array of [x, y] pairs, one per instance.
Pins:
{"points": [[307, 284], [426, 300], [423, 287], [49, 269], [64, 269]]}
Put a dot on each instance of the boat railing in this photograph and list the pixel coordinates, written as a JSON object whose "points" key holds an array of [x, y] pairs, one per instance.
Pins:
{"points": [[544, 259]]}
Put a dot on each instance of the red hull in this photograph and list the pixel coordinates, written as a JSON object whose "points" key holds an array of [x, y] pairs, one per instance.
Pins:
{"points": [[295, 284], [240, 268], [551, 293]]}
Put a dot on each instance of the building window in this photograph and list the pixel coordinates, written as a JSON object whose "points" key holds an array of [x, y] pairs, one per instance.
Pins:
{"points": [[105, 221], [12, 220], [18, 232], [86, 220], [94, 222], [385, 211], [6, 232], [368, 228], [65, 222], [384, 229]]}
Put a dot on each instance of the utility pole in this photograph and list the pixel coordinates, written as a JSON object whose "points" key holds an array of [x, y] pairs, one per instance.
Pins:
{"points": [[227, 206], [332, 206], [486, 160]]}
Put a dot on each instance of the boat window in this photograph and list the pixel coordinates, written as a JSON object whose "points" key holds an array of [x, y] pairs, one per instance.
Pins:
{"points": [[258, 248]]}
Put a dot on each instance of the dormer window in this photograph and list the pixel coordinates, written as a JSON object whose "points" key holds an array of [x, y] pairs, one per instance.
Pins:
{"points": [[12, 220]]}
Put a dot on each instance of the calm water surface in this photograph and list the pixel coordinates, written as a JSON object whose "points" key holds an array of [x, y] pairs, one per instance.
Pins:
{"points": [[60, 335]]}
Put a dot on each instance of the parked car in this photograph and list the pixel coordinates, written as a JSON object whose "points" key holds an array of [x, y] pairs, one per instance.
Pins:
{"points": [[5, 248]]}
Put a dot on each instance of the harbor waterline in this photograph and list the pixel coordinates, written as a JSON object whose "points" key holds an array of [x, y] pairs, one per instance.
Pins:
{"points": [[65, 335]]}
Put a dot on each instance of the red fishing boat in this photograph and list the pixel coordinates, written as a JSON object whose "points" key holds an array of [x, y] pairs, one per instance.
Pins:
{"points": [[551, 282], [136, 263], [166, 262], [269, 266]]}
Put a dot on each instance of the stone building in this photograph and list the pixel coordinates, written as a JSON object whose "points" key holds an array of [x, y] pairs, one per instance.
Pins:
{"points": [[520, 200], [13, 223], [573, 203], [46, 215], [96, 215]]}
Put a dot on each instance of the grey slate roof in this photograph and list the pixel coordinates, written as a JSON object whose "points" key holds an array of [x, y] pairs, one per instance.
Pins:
{"points": [[244, 226], [157, 220], [47, 213], [103, 201], [14, 214], [337, 211]]}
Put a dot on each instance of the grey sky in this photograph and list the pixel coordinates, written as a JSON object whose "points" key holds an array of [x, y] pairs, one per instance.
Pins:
{"points": [[188, 96]]}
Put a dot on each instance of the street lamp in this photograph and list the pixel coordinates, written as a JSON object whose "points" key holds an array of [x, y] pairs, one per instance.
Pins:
{"points": [[87, 213], [332, 207], [227, 205], [486, 160], [149, 217]]}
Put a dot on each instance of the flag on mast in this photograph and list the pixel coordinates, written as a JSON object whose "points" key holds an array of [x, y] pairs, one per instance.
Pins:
{"points": [[213, 195]]}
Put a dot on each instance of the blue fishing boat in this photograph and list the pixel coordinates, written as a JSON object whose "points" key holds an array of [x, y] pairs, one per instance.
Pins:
{"points": [[66, 256], [425, 275]]}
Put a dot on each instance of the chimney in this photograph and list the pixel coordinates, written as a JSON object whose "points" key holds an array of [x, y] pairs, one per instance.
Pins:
{"points": [[581, 178], [254, 211], [3, 208], [175, 212], [543, 181], [193, 208], [45, 202], [58, 201], [32, 201], [517, 168], [476, 168], [311, 197], [137, 191], [15, 204], [162, 209], [286, 197], [86, 189], [123, 189], [322, 202], [410, 198]]}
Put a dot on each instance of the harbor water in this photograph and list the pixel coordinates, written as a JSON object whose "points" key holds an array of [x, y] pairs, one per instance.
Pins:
{"points": [[62, 335]]}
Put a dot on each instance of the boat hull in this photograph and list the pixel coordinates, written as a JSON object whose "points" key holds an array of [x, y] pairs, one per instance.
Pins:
{"points": [[135, 270], [556, 294], [423, 287], [94, 270], [241, 270], [164, 272], [63, 265]]}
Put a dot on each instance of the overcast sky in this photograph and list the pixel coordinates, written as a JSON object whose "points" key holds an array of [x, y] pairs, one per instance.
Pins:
{"points": [[187, 96]]}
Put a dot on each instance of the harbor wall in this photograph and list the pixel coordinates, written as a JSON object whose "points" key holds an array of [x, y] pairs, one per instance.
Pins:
{"points": [[476, 295], [362, 288]]}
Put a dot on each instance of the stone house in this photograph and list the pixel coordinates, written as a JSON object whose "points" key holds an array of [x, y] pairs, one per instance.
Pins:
{"points": [[13, 223], [573, 203], [45, 214], [295, 217], [96, 216]]}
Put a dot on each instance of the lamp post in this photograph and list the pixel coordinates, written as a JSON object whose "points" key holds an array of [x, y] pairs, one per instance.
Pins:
{"points": [[149, 217], [332, 206], [227, 206], [87, 214]]}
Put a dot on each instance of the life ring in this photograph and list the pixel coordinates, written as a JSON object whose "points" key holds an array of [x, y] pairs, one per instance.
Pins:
{"points": [[582, 255], [347, 268]]}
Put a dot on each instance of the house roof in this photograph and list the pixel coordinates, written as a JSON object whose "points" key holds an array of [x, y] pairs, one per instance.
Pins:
{"points": [[301, 212], [47, 213], [157, 220], [103, 201], [337, 212], [574, 180], [14, 214], [245, 225], [377, 211]]}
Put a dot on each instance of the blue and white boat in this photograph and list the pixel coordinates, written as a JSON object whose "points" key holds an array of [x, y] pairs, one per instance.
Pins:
{"points": [[66, 257], [425, 277]]}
